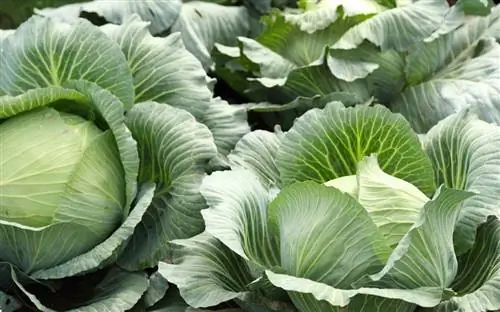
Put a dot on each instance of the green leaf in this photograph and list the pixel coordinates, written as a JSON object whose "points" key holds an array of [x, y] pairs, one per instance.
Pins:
{"points": [[452, 73], [117, 292], [44, 52], [327, 144], [256, 152], [228, 124], [465, 152], [160, 14], [174, 150], [333, 241], [425, 257], [98, 256], [237, 215], [478, 281], [158, 286], [202, 24], [310, 296], [163, 70], [396, 28], [206, 272], [40, 244], [393, 204]]}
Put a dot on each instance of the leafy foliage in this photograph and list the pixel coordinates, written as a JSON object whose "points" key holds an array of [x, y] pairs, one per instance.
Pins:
{"points": [[370, 181]]}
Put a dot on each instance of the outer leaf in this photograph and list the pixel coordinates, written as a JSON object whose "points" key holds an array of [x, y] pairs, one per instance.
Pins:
{"points": [[103, 253], [478, 279], [466, 154], [206, 272], [309, 295], [425, 257], [157, 289], [44, 52], [174, 149], [163, 70], [256, 152], [117, 292], [160, 14], [457, 71], [328, 144], [228, 124], [333, 241], [400, 24], [237, 215], [202, 24]]}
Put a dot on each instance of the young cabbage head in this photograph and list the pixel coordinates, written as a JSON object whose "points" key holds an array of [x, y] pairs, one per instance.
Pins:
{"points": [[61, 179]]}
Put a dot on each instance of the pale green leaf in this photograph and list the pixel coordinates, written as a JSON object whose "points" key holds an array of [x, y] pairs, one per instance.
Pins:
{"points": [[289, 62], [478, 281], [256, 152], [174, 150], [158, 287], [393, 204], [326, 235], [228, 124], [44, 52], [202, 24], [237, 215], [309, 295], [397, 28], [465, 152], [163, 70], [425, 257], [206, 272]]}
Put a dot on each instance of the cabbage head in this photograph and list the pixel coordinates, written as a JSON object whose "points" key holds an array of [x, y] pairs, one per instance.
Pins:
{"points": [[351, 210]]}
